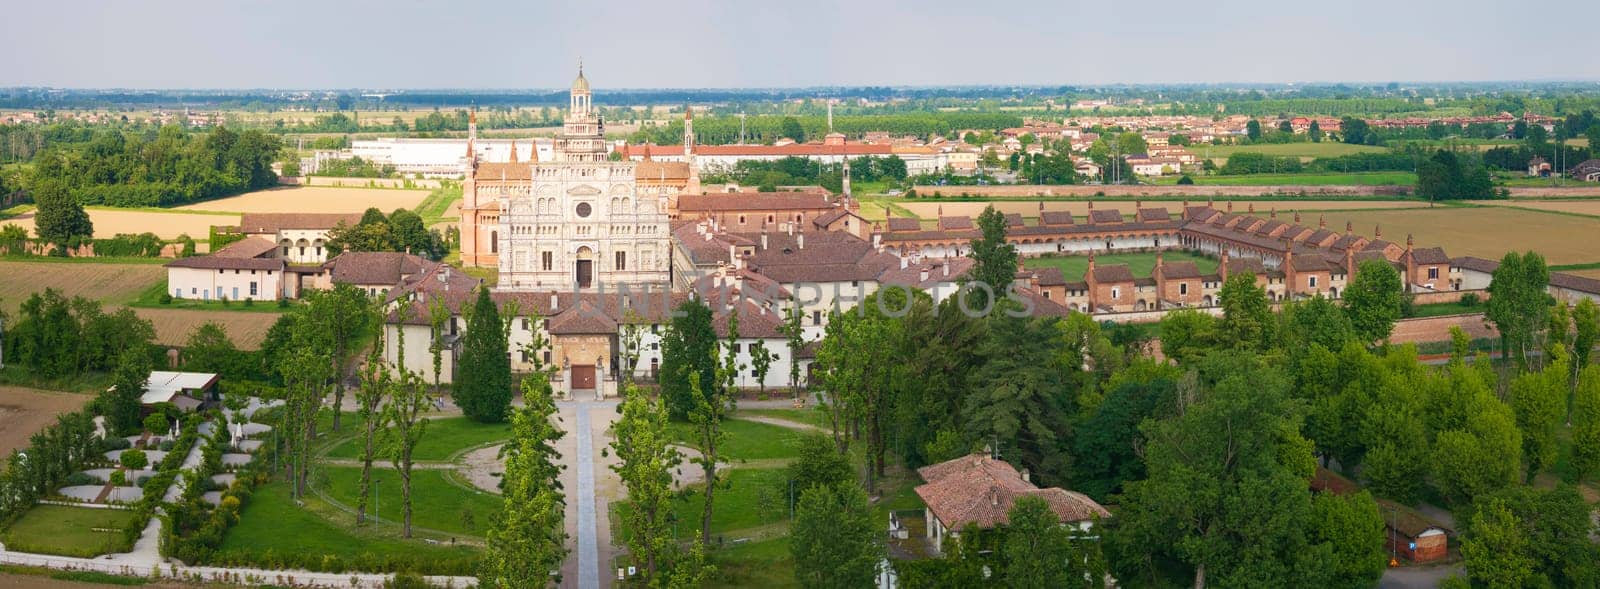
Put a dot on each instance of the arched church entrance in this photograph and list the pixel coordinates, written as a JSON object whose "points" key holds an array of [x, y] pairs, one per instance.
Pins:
{"points": [[585, 267]]}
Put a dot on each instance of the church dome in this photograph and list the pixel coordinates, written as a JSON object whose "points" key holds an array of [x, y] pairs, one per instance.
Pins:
{"points": [[581, 84]]}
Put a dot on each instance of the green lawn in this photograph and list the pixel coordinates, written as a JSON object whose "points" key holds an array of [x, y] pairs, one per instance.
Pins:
{"points": [[1311, 179], [746, 440], [767, 563], [1141, 264], [812, 415], [150, 298], [272, 529], [432, 209], [1456, 308], [739, 504], [437, 502], [69, 531], [443, 439], [1220, 153]]}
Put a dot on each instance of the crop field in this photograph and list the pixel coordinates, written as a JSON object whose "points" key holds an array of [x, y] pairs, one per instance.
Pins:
{"points": [[108, 222], [1592, 273], [1304, 151], [1486, 232], [24, 411], [108, 283], [245, 328], [1582, 207], [1314, 179], [313, 199], [930, 209]]}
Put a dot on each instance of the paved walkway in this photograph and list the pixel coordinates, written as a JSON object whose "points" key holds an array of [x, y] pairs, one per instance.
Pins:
{"points": [[588, 544]]}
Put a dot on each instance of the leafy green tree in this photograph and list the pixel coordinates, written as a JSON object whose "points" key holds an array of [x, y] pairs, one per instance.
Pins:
{"points": [[645, 461], [994, 259], [1539, 400], [121, 403], [1187, 334], [794, 336], [1373, 299], [819, 465], [712, 405], [688, 351], [1586, 424], [1518, 304], [1106, 443], [1246, 314], [528, 542], [59, 218], [209, 349], [377, 383], [1497, 549], [134, 459], [1354, 528], [408, 399], [1226, 500], [1585, 334], [836, 540], [793, 130], [1015, 401], [1315, 132], [483, 385], [1482, 455], [1317, 320], [1252, 130], [1556, 524], [1038, 551], [341, 313]]}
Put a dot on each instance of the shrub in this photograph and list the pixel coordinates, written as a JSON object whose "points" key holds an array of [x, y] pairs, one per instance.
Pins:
{"points": [[79, 479], [1469, 299], [167, 444], [119, 478], [134, 459], [1185, 180], [165, 299], [283, 303], [114, 443], [249, 302]]}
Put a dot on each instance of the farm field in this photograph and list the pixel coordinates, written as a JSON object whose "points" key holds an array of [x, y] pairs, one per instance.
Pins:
{"points": [[1583, 207], [1141, 264], [1304, 151], [108, 222], [1485, 232], [1030, 208], [1323, 179], [24, 411], [107, 283], [313, 199], [68, 531], [245, 328], [1594, 273]]}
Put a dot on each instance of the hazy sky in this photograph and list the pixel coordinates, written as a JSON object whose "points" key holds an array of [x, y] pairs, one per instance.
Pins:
{"points": [[757, 43]]}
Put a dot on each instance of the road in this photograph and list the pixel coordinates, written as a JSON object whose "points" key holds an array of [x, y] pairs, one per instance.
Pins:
{"points": [[590, 490]]}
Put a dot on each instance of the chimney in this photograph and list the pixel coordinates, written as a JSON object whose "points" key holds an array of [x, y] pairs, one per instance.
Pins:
{"points": [[1230, 206], [1349, 227], [946, 266], [763, 240], [1288, 270], [904, 262], [1297, 217], [877, 240], [922, 276], [801, 241], [555, 302], [1377, 232], [1349, 265], [733, 253], [1025, 477], [788, 227], [1322, 221], [1222, 267]]}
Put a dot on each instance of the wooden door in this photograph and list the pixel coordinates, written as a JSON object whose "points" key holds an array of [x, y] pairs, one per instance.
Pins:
{"points": [[585, 275], [583, 377]]}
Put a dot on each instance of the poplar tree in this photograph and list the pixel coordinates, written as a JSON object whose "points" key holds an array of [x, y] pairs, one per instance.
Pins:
{"points": [[527, 544], [121, 403], [1373, 300], [836, 541], [341, 312], [483, 389], [646, 459], [408, 398], [376, 383]]}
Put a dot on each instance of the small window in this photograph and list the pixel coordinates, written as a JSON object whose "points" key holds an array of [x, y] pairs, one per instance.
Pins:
{"points": [[547, 260], [1433, 273], [816, 317], [622, 260], [1311, 281], [526, 324], [1183, 288], [1115, 292]]}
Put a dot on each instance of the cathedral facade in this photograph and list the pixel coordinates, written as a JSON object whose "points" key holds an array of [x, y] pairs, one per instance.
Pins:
{"points": [[578, 222]]}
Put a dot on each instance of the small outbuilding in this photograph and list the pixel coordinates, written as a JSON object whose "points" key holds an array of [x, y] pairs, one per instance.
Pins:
{"points": [[188, 391]]}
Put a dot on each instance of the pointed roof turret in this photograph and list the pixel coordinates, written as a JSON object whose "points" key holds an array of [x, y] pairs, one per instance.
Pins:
{"points": [[513, 151]]}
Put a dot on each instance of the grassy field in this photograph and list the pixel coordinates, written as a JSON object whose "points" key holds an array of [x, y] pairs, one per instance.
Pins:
{"points": [[69, 531], [929, 210], [1304, 151], [1438, 309], [747, 440], [1322, 179], [811, 415], [438, 503], [753, 497], [313, 199], [766, 563], [1141, 264], [441, 206], [1485, 232], [107, 283], [272, 526], [166, 224], [444, 438], [150, 298]]}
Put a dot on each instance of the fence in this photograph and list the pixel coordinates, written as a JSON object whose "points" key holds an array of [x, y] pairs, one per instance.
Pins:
{"points": [[200, 574]]}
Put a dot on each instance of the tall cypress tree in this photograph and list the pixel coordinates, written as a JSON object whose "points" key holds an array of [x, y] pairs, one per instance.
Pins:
{"points": [[483, 390], [690, 347]]}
